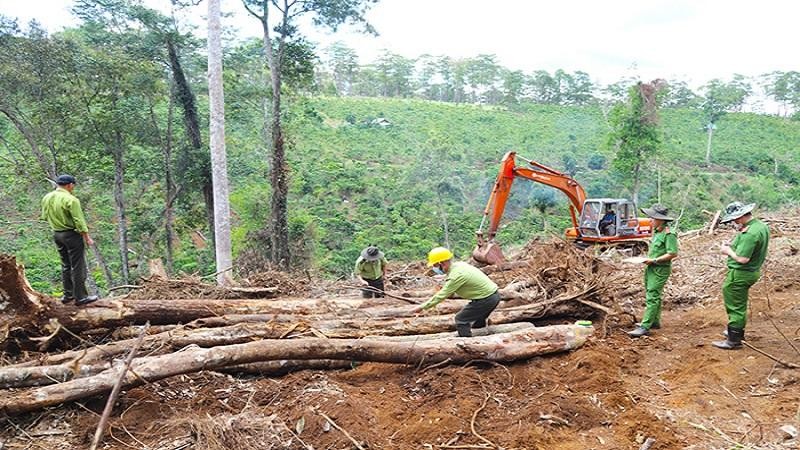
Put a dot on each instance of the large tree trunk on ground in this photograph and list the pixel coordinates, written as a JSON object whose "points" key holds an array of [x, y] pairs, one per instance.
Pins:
{"points": [[32, 314], [95, 360], [504, 347], [276, 368]]}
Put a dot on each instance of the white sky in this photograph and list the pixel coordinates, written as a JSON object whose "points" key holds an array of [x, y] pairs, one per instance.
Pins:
{"points": [[694, 40]]}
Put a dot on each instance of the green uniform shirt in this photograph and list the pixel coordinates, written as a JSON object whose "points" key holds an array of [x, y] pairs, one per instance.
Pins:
{"points": [[370, 270], [751, 243], [663, 242], [466, 281], [62, 211]]}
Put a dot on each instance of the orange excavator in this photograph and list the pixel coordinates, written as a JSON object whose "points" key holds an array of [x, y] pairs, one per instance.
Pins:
{"points": [[595, 221]]}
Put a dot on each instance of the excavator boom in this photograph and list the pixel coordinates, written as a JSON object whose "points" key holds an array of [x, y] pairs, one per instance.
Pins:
{"points": [[488, 251]]}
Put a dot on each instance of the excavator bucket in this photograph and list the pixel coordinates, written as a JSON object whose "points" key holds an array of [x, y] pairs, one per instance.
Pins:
{"points": [[488, 252]]}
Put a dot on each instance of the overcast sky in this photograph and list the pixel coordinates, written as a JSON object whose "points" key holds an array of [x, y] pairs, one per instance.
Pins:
{"points": [[694, 40]]}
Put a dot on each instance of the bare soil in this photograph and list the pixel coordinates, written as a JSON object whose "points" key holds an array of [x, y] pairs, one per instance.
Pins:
{"points": [[613, 393]]}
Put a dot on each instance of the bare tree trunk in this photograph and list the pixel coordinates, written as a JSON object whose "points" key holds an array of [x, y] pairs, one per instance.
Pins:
{"points": [[708, 144], [47, 166], [119, 202], [219, 165], [658, 182], [279, 228], [169, 219], [443, 213], [636, 183], [504, 347], [103, 266], [186, 98]]}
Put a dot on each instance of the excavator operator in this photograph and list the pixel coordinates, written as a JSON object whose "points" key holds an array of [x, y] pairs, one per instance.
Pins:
{"points": [[608, 224]]}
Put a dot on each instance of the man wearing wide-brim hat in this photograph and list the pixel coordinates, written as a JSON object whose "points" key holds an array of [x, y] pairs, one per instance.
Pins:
{"points": [[663, 249], [371, 269], [746, 255]]}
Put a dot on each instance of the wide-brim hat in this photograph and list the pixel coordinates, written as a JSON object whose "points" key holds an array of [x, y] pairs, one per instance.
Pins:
{"points": [[735, 210], [658, 211], [371, 253]]}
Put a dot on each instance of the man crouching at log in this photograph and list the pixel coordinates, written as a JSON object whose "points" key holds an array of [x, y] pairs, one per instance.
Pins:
{"points": [[467, 282]]}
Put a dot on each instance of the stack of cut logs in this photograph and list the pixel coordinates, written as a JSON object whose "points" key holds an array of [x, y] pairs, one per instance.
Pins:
{"points": [[267, 336]]}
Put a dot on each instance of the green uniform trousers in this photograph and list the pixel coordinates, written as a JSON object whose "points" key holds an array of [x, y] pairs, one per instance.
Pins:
{"points": [[735, 291], [655, 277]]}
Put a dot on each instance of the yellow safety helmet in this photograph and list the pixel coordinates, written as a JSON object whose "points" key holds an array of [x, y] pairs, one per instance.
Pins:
{"points": [[438, 255]]}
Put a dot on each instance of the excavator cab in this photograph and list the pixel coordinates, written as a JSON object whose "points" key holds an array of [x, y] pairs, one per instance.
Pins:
{"points": [[608, 218]]}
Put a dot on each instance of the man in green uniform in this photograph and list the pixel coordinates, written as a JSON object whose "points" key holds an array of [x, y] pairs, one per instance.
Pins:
{"points": [[467, 282], [371, 269], [62, 211], [746, 255], [663, 249]]}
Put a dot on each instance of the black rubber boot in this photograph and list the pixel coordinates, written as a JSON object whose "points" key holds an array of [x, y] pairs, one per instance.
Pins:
{"points": [[734, 340], [464, 330]]}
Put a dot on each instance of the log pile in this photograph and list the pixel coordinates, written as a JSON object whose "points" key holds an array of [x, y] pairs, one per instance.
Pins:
{"points": [[269, 336], [54, 362]]}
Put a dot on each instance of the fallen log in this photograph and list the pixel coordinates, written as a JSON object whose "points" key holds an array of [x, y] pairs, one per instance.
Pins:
{"points": [[504, 347], [245, 328], [276, 368], [282, 367], [361, 327], [43, 375], [477, 332], [28, 313]]}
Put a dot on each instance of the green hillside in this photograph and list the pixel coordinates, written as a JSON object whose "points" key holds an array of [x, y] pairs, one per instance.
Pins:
{"points": [[357, 181], [354, 183]]}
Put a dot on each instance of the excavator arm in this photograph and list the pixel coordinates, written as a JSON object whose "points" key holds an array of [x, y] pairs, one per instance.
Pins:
{"points": [[488, 251]]}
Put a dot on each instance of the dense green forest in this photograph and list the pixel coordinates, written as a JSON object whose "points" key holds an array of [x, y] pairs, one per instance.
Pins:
{"points": [[377, 153]]}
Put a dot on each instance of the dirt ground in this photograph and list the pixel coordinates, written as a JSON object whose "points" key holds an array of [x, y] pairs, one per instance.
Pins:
{"points": [[614, 393]]}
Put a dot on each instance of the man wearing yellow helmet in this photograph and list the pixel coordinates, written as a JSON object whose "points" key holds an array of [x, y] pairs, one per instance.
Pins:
{"points": [[467, 282]]}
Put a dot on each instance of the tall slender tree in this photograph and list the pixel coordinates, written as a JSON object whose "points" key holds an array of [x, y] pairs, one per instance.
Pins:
{"points": [[219, 165], [721, 98], [325, 13]]}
